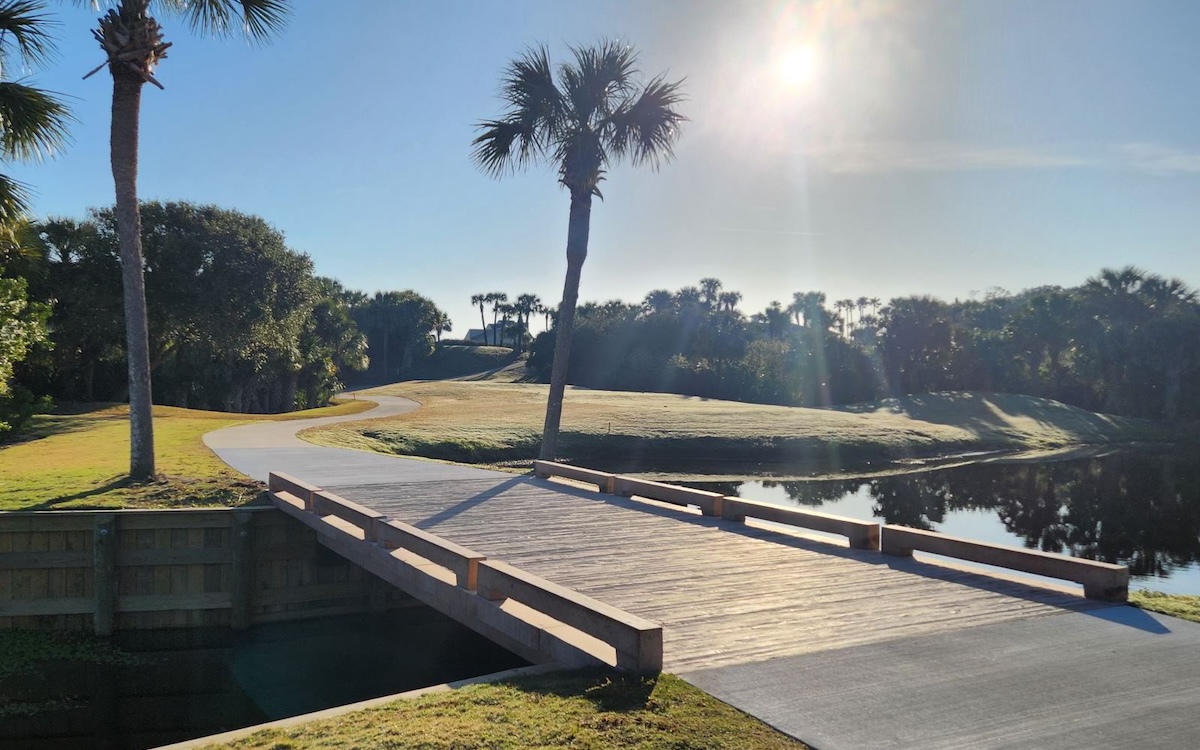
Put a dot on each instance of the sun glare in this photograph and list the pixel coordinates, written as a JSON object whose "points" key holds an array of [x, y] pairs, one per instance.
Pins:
{"points": [[798, 66]]}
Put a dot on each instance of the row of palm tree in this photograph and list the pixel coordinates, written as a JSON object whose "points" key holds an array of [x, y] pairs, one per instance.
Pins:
{"points": [[509, 319]]}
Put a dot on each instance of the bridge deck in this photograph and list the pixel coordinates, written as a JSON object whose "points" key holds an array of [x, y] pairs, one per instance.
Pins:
{"points": [[726, 593]]}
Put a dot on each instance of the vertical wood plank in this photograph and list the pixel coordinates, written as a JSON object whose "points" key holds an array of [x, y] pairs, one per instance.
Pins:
{"points": [[104, 560], [239, 615]]}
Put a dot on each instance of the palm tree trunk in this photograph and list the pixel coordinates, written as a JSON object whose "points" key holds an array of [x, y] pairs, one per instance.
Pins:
{"points": [[483, 325], [123, 144], [577, 243]]}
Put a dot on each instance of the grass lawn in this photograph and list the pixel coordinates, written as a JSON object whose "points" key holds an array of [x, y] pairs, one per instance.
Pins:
{"points": [[500, 424], [1184, 606], [580, 711], [78, 459]]}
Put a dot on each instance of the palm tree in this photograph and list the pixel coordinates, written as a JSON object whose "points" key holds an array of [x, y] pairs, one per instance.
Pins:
{"points": [[133, 45], [729, 300], [710, 288], [527, 306], [441, 324], [657, 301], [861, 303], [481, 300], [33, 123], [595, 114], [497, 301]]}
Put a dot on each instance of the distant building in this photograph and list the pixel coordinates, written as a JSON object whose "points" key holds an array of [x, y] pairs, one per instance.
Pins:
{"points": [[508, 336]]}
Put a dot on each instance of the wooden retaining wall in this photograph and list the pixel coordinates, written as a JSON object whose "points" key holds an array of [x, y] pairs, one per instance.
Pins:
{"points": [[141, 569]]}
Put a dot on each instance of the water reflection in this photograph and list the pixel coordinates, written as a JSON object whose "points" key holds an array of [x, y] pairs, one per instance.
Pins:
{"points": [[1133, 508]]}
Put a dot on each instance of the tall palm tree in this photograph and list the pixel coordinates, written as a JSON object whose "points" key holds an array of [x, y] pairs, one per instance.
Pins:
{"points": [[592, 115], [132, 41], [496, 300], [729, 300], [710, 288], [657, 301], [481, 300], [33, 124]]}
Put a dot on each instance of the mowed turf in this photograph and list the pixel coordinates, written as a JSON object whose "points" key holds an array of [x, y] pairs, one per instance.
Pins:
{"points": [[78, 460], [500, 423], [573, 711]]}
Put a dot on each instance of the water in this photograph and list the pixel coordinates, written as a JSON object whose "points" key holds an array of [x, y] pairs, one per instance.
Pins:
{"points": [[1136, 508], [184, 683]]}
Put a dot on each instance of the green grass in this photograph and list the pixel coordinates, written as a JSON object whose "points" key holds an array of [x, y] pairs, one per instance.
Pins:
{"points": [[1184, 606], [579, 711], [78, 458], [499, 423], [459, 360]]}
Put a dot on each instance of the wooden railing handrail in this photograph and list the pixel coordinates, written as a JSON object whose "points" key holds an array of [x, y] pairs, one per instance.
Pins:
{"points": [[602, 479], [861, 534], [638, 641], [1100, 580]]}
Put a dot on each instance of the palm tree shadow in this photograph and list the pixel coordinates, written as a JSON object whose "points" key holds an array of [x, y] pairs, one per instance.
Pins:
{"points": [[610, 690], [51, 504]]}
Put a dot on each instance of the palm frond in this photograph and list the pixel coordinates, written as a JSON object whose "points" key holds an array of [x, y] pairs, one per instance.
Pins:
{"points": [[259, 20], [645, 128], [14, 201], [534, 113], [24, 26], [492, 150], [600, 76], [33, 123]]}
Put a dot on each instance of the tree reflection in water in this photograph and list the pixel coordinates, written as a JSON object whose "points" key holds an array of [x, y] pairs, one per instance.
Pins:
{"points": [[1141, 509]]}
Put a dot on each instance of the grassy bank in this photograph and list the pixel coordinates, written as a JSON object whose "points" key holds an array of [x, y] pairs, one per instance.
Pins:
{"points": [[580, 711], [1177, 605], [78, 459], [500, 423]]}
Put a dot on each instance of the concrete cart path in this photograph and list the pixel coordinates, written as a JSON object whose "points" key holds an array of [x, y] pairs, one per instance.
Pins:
{"points": [[260, 448], [840, 648]]}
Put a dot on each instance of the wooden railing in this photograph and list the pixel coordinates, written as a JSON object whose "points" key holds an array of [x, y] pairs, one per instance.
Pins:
{"points": [[861, 534], [1100, 580], [467, 586]]}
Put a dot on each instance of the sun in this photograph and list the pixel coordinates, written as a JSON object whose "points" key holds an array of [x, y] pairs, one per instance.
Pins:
{"points": [[797, 67]]}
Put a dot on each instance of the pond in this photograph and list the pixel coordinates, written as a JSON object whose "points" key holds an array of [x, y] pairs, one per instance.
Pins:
{"points": [[1133, 507], [180, 684]]}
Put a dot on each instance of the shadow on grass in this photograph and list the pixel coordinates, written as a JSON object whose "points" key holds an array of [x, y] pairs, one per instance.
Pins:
{"points": [[607, 689], [163, 492]]}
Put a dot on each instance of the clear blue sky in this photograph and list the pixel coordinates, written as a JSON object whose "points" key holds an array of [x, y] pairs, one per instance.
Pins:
{"points": [[860, 148]]}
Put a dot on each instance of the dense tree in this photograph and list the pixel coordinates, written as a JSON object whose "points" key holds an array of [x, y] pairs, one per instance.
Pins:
{"points": [[592, 116], [400, 328], [132, 42], [237, 320]]}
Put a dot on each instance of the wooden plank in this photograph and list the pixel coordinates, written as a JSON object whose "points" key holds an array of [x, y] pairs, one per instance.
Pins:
{"points": [[68, 605], [314, 593], [172, 556], [48, 559], [602, 479], [161, 602], [241, 571], [1100, 580], [280, 482], [178, 519], [104, 593], [862, 534], [710, 503], [462, 561], [326, 503], [637, 640]]}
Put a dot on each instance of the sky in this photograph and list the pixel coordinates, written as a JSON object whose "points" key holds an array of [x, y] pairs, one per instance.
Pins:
{"points": [[876, 148]]}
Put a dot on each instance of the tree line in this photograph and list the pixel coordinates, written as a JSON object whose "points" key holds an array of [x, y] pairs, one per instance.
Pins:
{"points": [[237, 321], [1125, 342]]}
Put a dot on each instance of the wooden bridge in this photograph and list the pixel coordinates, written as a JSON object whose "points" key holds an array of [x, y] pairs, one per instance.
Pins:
{"points": [[646, 575], [845, 645]]}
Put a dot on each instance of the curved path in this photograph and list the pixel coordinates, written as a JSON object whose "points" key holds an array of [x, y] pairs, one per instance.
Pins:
{"points": [[846, 650], [260, 448]]}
